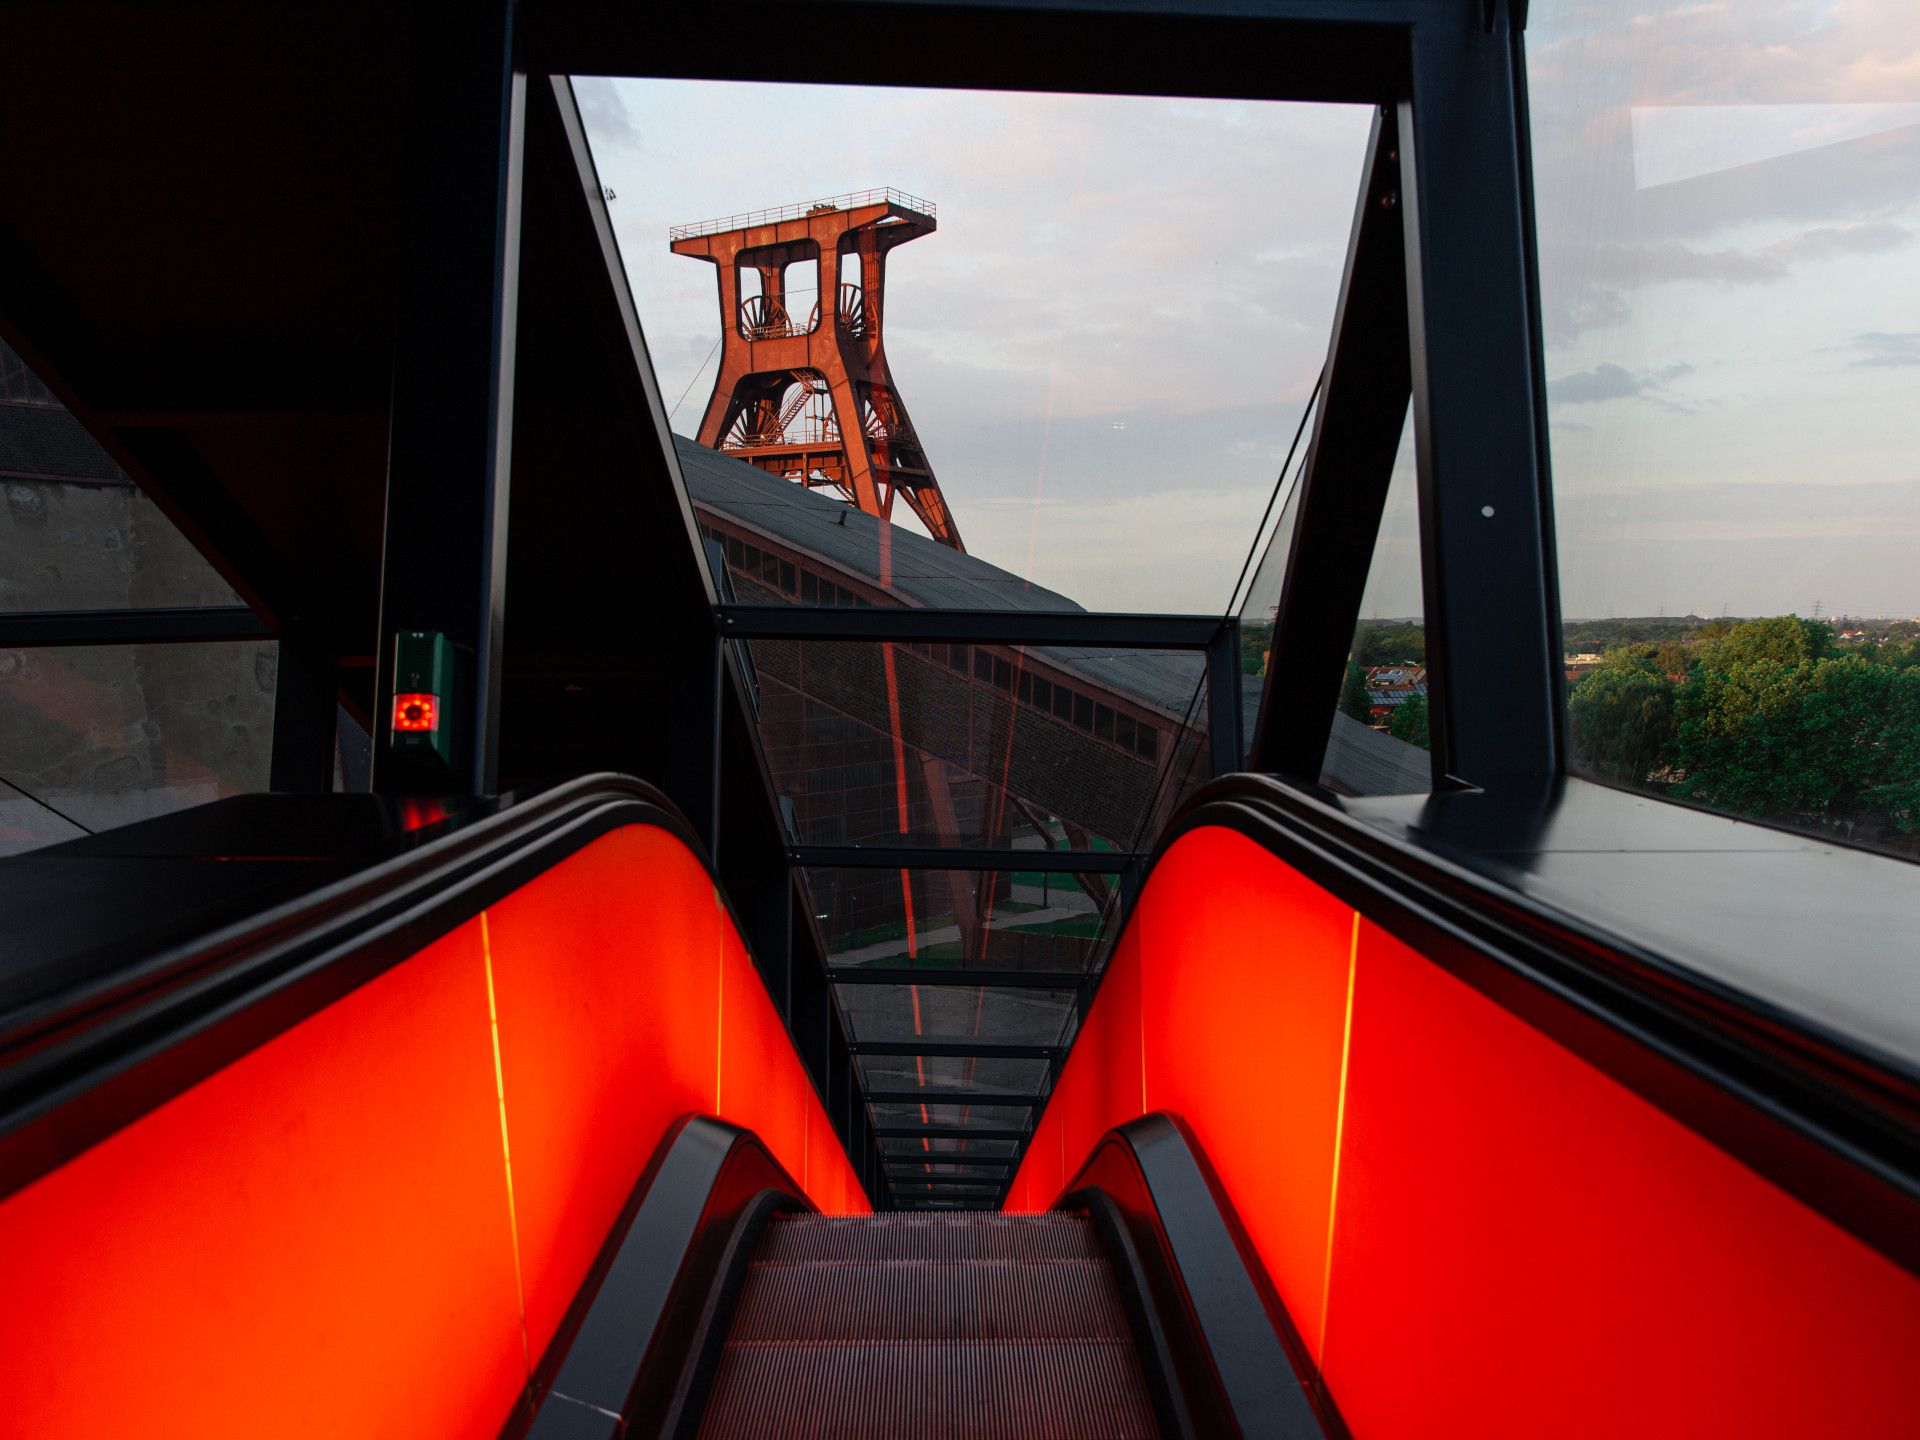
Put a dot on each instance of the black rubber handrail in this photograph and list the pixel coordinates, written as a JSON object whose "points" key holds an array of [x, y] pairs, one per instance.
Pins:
{"points": [[78, 1065], [1223, 1355], [1821, 1116]]}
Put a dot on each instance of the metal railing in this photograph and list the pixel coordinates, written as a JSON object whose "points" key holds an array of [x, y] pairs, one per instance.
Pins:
{"points": [[800, 211]]}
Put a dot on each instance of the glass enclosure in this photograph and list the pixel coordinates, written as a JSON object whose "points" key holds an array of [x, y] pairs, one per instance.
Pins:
{"points": [[1729, 202]]}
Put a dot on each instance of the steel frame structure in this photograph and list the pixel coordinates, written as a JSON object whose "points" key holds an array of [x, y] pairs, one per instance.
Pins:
{"points": [[1439, 311]]}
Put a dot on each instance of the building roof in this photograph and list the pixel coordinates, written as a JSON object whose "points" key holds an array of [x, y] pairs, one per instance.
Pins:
{"points": [[923, 572], [44, 442]]}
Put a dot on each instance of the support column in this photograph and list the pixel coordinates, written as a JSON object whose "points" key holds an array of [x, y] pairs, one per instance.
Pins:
{"points": [[450, 438], [1486, 517]]}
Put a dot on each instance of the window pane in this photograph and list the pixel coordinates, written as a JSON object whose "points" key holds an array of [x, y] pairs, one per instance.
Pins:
{"points": [[1379, 743], [104, 735], [77, 534], [1729, 198], [937, 920], [1093, 359], [998, 1014], [876, 744]]}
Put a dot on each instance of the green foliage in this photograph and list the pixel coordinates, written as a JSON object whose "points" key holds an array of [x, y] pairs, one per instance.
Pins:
{"points": [[1409, 722], [1255, 640], [1622, 721], [1827, 739], [1354, 700], [1390, 642]]}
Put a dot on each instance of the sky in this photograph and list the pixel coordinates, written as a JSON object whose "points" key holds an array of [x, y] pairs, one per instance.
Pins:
{"points": [[1108, 342]]}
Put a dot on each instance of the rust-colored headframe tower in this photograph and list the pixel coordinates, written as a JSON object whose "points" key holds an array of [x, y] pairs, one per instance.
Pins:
{"points": [[809, 396]]}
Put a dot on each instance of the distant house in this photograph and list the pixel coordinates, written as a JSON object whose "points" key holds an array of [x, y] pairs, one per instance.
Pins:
{"points": [[1582, 665], [1391, 686]]}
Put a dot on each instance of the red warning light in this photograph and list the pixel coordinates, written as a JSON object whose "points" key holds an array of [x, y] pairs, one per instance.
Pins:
{"points": [[416, 713]]}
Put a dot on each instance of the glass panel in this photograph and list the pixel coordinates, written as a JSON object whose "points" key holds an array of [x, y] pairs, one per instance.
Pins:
{"points": [[1728, 198], [903, 1146], [942, 919], [1093, 359], [1258, 602], [77, 534], [877, 744], [910, 1171], [103, 735], [1379, 743], [950, 1077], [983, 1116], [954, 1012]]}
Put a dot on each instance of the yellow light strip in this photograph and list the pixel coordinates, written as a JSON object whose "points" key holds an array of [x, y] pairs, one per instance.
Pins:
{"points": [[506, 1153], [1339, 1129]]}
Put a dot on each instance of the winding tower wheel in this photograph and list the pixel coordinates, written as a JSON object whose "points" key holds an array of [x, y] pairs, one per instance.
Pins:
{"points": [[763, 318]]}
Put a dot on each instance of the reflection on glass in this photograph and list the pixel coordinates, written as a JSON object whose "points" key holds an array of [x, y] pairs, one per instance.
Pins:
{"points": [[1729, 200], [938, 920], [950, 1077], [982, 745], [954, 1012], [1380, 739], [76, 534], [983, 1116], [100, 736], [911, 1147]]}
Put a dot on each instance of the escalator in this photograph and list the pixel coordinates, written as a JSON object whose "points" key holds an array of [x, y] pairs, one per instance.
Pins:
{"points": [[487, 1123], [952, 1327]]}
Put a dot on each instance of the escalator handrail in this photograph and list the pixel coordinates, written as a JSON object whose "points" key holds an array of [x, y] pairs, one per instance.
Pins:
{"points": [[1208, 1319], [643, 1336], [1819, 1115], [83, 1063]]}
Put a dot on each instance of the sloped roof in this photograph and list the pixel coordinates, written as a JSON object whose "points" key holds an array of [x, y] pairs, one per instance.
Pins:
{"points": [[44, 442], [923, 572]]}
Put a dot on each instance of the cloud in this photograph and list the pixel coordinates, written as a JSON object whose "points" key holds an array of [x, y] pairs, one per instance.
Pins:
{"points": [[1608, 381], [1888, 349]]}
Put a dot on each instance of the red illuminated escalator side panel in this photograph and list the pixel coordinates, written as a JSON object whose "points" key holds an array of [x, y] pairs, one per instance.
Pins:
{"points": [[372, 1224], [1475, 1231]]}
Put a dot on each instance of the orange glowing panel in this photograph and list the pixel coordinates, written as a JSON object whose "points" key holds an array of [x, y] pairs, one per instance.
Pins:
{"points": [[763, 1087], [314, 1239], [1477, 1233], [1244, 1008], [1525, 1247], [374, 1222], [604, 968], [416, 713]]}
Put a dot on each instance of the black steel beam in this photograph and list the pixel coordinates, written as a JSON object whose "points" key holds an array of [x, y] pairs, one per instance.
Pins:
{"points": [[949, 1049], [177, 624], [932, 857], [949, 1097], [450, 438], [1486, 517], [1326, 50], [962, 627], [1223, 699], [306, 708], [1006, 979], [1343, 487], [945, 1132]]}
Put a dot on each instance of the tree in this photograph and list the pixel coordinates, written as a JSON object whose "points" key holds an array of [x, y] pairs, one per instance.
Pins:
{"points": [[1771, 723], [1622, 723], [1354, 699], [1409, 722]]}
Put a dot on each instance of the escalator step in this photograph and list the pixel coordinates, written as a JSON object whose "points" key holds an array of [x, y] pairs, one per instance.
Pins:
{"points": [[921, 1236], [950, 1327]]}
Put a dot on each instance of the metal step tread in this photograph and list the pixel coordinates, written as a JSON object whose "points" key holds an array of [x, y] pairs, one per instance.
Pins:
{"points": [[948, 1327]]}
